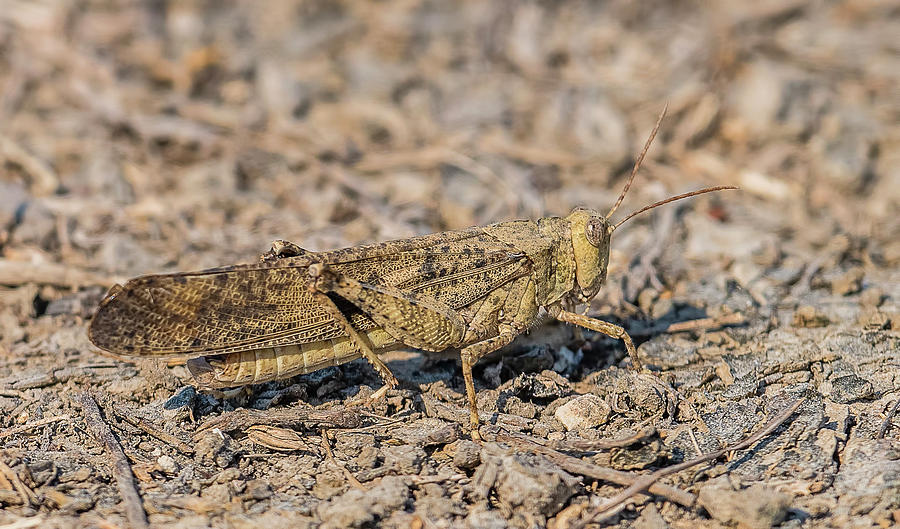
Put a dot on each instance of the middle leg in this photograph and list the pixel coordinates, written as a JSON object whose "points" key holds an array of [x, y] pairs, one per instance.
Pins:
{"points": [[469, 356], [514, 308]]}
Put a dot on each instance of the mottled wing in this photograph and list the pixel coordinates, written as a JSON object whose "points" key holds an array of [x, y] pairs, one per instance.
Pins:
{"points": [[463, 287], [455, 270], [219, 310], [268, 304]]}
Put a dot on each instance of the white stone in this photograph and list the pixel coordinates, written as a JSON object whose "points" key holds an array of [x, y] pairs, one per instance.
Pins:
{"points": [[585, 411], [167, 464]]}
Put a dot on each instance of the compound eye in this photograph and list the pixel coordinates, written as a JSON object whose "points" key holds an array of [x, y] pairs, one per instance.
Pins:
{"points": [[594, 230]]}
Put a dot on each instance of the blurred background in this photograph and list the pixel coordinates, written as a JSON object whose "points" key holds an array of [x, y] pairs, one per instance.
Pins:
{"points": [[151, 136]]}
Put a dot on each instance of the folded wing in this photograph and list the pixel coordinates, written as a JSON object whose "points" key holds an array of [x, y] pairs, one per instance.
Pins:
{"points": [[215, 311], [262, 305]]}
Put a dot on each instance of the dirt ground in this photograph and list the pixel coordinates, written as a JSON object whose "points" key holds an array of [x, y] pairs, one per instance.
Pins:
{"points": [[143, 137]]}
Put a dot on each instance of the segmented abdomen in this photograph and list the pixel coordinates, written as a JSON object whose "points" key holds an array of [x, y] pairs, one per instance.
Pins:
{"points": [[273, 363]]}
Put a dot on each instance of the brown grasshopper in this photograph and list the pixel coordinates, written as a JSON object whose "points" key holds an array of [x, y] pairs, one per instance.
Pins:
{"points": [[297, 311]]}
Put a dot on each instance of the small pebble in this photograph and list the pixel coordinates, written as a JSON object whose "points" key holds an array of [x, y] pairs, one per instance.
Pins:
{"points": [[484, 518], [258, 489], [567, 360], [850, 388], [516, 406], [742, 388], [756, 507], [404, 459], [180, 406], [215, 448], [532, 484], [646, 298], [167, 464], [849, 283], [662, 307], [871, 297], [809, 316], [217, 492], [650, 519], [468, 455], [367, 457], [357, 508], [585, 411], [874, 320]]}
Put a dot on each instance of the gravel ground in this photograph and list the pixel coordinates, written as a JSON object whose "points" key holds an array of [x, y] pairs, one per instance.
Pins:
{"points": [[141, 137]]}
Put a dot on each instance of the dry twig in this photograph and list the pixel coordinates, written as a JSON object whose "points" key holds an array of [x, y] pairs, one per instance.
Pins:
{"points": [[330, 455], [701, 324], [583, 468], [619, 501], [16, 273], [134, 508], [43, 180], [25, 523], [35, 424], [151, 428], [28, 496], [706, 323], [275, 438], [589, 445], [887, 420], [241, 419]]}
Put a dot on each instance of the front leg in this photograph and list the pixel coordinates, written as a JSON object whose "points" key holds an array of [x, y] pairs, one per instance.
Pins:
{"points": [[610, 329], [515, 307]]}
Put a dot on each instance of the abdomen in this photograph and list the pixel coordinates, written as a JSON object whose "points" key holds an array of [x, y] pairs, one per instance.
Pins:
{"points": [[274, 363]]}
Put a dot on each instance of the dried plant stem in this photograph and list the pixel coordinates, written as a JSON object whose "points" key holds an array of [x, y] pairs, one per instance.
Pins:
{"points": [[887, 420], [25, 523], [589, 445], [326, 445], [15, 273], [701, 324], [150, 428], [706, 323], [617, 502], [28, 496], [583, 468], [134, 508], [36, 424], [241, 419]]}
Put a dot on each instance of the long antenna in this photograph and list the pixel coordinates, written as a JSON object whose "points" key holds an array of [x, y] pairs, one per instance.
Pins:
{"points": [[672, 199], [637, 164]]}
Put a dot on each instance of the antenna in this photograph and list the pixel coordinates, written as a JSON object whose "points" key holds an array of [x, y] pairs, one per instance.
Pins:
{"points": [[671, 199], [637, 164]]}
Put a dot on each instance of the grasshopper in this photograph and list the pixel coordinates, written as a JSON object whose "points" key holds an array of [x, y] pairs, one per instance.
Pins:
{"points": [[297, 311]]}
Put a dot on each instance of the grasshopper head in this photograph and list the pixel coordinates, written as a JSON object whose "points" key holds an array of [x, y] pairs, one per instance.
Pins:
{"points": [[590, 242]]}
